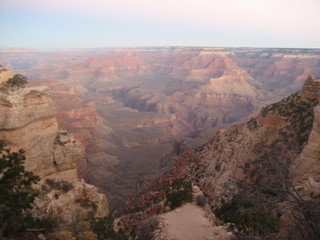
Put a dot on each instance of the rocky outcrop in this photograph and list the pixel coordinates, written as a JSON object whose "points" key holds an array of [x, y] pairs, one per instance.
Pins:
{"points": [[311, 88], [4, 74], [306, 169], [27, 121], [68, 198], [74, 115]]}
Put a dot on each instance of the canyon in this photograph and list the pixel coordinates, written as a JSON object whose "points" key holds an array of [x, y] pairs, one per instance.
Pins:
{"points": [[260, 177], [134, 109]]}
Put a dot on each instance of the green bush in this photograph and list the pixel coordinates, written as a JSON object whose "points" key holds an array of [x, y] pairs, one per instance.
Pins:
{"points": [[248, 217], [178, 193], [17, 80], [103, 228], [16, 197], [59, 185]]}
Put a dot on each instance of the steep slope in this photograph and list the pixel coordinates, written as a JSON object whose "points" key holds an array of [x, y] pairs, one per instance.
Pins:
{"points": [[75, 116], [245, 171], [306, 168], [27, 121]]}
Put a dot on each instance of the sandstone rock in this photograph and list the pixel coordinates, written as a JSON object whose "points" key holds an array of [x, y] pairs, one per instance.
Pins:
{"points": [[311, 88], [69, 199], [306, 169], [74, 115], [27, 120], [4, 74]]}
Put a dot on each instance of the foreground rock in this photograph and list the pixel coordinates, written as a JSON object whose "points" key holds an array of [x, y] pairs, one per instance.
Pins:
{"points": [[27, 120]]}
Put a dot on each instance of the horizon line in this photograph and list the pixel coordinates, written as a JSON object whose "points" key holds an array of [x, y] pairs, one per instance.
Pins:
{"points": [[154, 46]]}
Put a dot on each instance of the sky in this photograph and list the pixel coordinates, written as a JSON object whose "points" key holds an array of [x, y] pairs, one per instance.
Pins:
{"points": [[56, 24]]}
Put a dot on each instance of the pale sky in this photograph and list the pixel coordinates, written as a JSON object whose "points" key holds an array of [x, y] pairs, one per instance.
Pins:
{"points": [[118, 23]]}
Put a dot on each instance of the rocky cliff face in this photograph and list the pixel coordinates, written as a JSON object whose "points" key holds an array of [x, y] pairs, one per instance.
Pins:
{"points": [[306, 169], [4, 74], [27, 121], [72, 113], [75, 116]]}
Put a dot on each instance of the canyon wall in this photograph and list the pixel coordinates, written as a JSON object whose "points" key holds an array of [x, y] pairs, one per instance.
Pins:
{"points": [[28, 121], [306, 169]]}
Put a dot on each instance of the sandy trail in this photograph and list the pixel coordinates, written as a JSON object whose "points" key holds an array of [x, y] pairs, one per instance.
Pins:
{"points": [[189, 222]]}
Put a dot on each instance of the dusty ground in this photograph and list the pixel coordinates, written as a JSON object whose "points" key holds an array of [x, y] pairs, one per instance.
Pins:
{"points": [[189, 222]]}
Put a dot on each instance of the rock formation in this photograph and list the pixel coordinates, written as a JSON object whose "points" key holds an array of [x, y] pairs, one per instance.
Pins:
{"points": [[4, 74], [306, 169], [28, 121], [75, 116]]}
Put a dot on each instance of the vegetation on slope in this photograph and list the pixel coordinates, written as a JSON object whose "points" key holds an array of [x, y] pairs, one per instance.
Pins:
{"points": [[16, 198], [16, 209], [178, 193], [267, 197], [17, 80]]}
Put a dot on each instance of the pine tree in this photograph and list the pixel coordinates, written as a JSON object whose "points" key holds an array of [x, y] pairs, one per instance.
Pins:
{"points": [[17, 80], [15, 195]]}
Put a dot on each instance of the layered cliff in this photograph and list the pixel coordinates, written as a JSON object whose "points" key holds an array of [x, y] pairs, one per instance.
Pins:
{"points": [[28, 121], [306, 168], [72, 113]]}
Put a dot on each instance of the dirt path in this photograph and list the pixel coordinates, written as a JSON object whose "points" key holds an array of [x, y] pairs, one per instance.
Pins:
{"points": [[189, 222]]}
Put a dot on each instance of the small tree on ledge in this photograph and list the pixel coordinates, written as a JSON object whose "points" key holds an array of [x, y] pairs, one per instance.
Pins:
{"points": [[17, 80]]}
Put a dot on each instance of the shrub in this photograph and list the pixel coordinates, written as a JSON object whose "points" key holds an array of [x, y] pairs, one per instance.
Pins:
{"points": [[16, 196], [17, 80], [248, 218], [146, 228], [59, 185], [179, 192], [103, 228], [201, 200], [86, 203]]}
